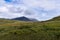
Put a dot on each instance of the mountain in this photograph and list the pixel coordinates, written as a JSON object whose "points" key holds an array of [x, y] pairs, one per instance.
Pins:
{"points": [[24, 19]]}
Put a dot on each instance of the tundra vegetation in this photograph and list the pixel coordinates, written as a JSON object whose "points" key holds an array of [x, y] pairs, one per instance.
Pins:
{"points": [[22, 30]]}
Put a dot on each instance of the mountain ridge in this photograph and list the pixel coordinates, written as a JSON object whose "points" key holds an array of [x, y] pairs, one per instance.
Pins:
{"points": [[24, 19]]}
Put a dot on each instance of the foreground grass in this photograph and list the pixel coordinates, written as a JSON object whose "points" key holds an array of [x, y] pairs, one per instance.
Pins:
{"points": [[19, 30]]}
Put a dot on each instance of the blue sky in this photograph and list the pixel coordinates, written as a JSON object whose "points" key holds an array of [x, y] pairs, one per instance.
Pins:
{"points": [[39, 9]]}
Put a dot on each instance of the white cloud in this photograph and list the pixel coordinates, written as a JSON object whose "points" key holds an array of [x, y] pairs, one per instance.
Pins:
{"points": [[3, 9], [40, 9], [41, 3]]}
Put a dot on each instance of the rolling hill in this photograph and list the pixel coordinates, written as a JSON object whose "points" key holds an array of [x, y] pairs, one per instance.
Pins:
{"points": [[55, 19], [22, 30]]}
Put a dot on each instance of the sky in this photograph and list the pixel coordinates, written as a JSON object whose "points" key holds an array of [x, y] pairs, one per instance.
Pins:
{"points": [[38, 9]]}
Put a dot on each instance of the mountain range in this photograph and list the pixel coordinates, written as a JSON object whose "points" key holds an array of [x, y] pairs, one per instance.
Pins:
{"points": [[23, 18]]}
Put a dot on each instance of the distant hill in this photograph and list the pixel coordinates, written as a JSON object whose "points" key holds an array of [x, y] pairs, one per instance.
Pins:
{"points": [[33, 19], [24, 19], [55, 19]]}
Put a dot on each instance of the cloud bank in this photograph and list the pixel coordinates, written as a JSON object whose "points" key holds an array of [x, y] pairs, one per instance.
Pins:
{"points": [[39, 9]]}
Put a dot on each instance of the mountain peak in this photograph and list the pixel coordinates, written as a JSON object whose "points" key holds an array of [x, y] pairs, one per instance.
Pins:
{"points": [[23, 18]]}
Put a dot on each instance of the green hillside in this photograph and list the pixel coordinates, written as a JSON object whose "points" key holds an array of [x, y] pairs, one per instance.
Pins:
{"points": [[55, 19], [21, 30]]}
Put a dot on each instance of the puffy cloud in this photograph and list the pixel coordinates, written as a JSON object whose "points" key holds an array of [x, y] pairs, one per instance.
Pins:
{"points": [[39, 9], [3, 9]]}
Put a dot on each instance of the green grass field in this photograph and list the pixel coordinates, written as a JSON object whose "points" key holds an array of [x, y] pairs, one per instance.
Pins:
{"points": [[21, 30]]}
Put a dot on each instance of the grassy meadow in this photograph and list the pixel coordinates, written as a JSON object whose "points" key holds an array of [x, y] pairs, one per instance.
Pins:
{"points": [[22, 30]]}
